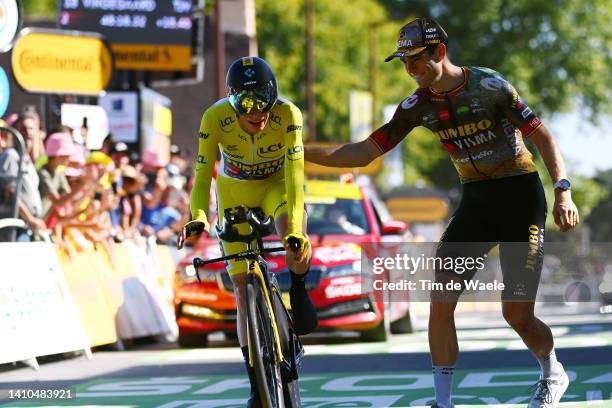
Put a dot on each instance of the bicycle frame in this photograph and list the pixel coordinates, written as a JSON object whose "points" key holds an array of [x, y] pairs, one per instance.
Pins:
{"points": [[258, 274]]}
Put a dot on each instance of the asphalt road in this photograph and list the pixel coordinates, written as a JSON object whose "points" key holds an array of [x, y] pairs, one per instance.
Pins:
{"points": [[494, 369]]}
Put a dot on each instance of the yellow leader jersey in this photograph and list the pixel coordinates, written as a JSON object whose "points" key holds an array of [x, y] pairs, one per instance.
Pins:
{"points": [[274, 154]]}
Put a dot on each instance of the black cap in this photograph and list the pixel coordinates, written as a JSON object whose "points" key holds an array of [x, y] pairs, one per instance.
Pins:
{"points": [[415, 36]]}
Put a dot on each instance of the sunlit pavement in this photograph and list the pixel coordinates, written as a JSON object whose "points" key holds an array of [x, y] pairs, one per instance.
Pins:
{"points": [[494, 369]]}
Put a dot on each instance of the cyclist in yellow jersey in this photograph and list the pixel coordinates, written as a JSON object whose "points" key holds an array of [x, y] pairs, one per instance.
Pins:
{"points": [[262, 165]]}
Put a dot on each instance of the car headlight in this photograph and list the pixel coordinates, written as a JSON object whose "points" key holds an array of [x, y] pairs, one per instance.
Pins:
{"points": [[206, 275], [344, 270]]}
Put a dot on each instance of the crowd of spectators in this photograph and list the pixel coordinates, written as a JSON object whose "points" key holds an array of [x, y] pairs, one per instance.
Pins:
{"points": [[86, 198]]}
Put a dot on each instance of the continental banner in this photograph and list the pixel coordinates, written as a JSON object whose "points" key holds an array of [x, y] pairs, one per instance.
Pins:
{"points": [[62, 62], [152, 57]]}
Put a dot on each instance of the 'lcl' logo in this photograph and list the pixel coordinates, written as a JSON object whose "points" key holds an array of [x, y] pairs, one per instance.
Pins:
{"points": [[270, 150], [228, 121]]}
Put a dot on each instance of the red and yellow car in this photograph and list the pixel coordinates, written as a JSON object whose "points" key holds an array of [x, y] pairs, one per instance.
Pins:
{"points": [[341, 217]]}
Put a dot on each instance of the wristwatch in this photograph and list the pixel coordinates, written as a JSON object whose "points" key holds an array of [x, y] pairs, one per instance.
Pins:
{"points": [[563, 184]]}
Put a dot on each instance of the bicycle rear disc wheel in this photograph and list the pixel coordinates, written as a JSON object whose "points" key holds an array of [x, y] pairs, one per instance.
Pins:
{"points": [[263, 346]]}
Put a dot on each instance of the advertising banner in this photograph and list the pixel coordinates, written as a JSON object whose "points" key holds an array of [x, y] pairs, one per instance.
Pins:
{"points": [[122, 111], [155, 122], [11, 17], [62, 62], [39, 316]]}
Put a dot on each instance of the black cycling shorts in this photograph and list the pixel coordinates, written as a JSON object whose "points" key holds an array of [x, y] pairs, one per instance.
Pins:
{"points": [[510, 212]]}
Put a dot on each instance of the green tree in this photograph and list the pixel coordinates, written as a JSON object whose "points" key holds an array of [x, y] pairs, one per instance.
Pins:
{"points": [[556, 53], [341, 51], [599, 219], [40, 8]]}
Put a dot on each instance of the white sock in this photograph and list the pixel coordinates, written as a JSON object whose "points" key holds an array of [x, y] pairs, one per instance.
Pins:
{"points": [[551, 368], [443, 383]]}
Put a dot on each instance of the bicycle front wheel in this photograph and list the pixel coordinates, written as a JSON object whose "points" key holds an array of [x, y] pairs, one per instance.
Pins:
{"points": [[263, 346]]}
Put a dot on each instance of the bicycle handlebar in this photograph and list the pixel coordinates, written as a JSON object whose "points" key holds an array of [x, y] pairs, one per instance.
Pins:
{"points": [[197, 262], [261, 225]]}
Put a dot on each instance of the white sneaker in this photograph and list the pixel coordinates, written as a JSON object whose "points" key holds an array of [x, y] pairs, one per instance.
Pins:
{"points": [[548, 393]]}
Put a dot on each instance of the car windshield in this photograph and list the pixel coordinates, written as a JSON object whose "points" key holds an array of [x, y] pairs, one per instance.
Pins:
{"points": [[336, 216]]}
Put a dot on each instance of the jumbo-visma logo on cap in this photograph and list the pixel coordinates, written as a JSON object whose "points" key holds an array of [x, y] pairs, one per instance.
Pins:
{"points": [[50, 61]]}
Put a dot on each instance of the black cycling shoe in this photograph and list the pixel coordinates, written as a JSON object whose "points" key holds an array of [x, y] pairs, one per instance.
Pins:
{"points": [[254, 401], [304, 313]]}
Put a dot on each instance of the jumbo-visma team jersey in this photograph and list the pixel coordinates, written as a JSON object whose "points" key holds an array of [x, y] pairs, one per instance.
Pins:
{"points": [[274, 155], [481, 124]]}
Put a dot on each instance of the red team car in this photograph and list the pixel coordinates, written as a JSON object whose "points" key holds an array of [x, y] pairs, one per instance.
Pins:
{"points": [[340, 218]]}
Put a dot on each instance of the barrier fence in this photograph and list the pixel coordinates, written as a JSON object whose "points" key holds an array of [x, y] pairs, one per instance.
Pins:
{"points": [[51, 303]]}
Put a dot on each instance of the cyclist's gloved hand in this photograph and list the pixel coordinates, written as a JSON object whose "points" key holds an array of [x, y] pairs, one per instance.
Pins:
{"points": [[193, 230], [298, 244]]}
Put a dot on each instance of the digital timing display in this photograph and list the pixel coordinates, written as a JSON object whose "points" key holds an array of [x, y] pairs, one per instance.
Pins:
{"points": [[131, 21]]}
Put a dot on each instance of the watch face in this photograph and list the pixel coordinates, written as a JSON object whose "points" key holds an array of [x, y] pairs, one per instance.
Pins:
{"points": [[563, 184]]}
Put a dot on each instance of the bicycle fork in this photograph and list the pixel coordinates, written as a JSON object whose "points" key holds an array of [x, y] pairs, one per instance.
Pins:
{"points": [[255, 269]]}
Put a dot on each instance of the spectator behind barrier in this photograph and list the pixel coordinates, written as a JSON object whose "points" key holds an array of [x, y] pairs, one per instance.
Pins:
{"points": [[28, 124], [108, 144], [30, 205], [6, 139], [172, 217], [120, 155], [177, 158], [131, 201], [54, 189], [153, 194], [6, 196], [89, 198]]}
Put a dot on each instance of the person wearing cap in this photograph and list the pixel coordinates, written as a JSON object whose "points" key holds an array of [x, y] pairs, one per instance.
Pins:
{"points": [[154, 168], [54, 189], [175, 150], [259, 136], [177, 159], [120, 155], [79, 185], [481, 121]]}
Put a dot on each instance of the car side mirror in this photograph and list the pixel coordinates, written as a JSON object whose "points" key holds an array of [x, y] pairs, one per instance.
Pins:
{"points": [[394, 227]]}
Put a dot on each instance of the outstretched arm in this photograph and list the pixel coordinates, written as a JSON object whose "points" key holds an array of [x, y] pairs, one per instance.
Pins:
{"points": [[348, 155]]}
